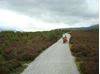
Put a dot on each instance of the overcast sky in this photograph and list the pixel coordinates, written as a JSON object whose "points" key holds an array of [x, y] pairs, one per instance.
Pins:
{"points": [[38, 15]]}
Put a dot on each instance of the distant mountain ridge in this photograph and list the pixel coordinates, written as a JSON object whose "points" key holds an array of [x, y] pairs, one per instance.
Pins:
{"points": [[93, 27]]}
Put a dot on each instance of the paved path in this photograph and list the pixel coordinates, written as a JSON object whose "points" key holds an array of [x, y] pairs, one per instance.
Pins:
{"points": [[57, 59]]}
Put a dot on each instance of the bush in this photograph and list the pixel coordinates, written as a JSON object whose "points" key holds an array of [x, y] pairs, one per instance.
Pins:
{"points": [[16, 47], [4, 69], [85, 48], [12, 64]]}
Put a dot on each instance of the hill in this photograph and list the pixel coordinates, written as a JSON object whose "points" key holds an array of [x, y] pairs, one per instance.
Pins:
{"points": [[94, 27]]}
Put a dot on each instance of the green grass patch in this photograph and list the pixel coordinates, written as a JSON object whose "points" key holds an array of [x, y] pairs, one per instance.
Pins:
{"points": [[78, 66]]}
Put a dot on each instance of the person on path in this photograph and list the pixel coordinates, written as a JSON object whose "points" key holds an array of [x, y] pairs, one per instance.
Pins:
{"points": [[66, 37]]}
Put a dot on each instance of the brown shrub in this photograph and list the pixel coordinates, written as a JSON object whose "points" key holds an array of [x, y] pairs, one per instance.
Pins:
{"points": [[86, 50], [4, 69], [89, 67], [12, 64]]}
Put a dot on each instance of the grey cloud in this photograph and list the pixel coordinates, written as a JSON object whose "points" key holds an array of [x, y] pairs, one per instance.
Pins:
{"points": [[52, 10]]}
